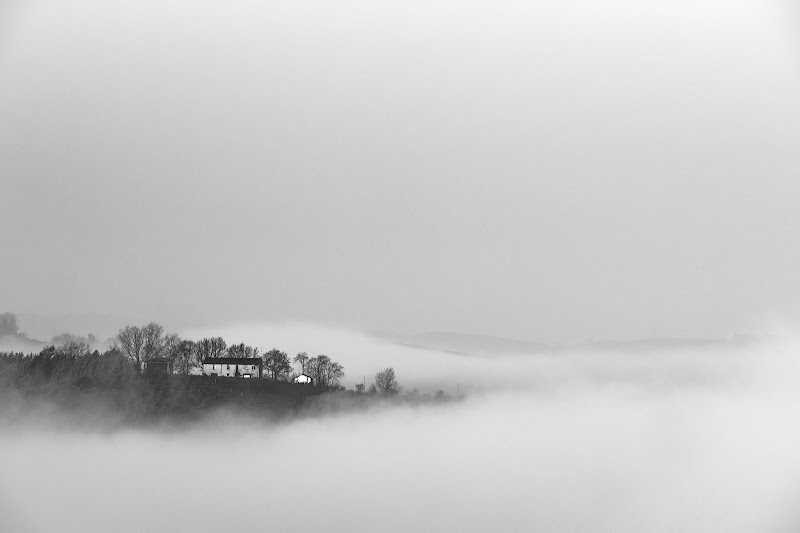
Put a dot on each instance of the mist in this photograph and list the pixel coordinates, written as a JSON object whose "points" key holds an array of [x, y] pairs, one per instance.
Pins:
{"points": [[363, 354], [525, 169], [702, 440], [326, 177]]}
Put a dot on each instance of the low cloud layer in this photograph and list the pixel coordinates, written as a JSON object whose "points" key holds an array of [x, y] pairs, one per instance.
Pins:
{"points": [[427, 369], [689, 441]]}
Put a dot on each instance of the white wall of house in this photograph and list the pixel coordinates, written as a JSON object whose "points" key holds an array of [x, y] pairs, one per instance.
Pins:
{"points": [[302, 378], [230, 370]]}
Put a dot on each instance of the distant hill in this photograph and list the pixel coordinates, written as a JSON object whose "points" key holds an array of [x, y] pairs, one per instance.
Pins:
{"points": [[464, 343], [487, 345], [670, 344], [20, 343], [25, 344], [30, 333], [646, 345], [103, 326]]}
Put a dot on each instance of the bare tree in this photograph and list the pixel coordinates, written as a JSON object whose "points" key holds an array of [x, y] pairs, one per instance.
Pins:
{"points": [[154, 340], [335, 374], [210, 348], [185, 357], [386, 382], [316, 368], [236, 350], [277, 364], [242, 350], [172, 342], [130, 340], [301, 359], [326, 373], [64, 338], [73, 348], [140, 344]]}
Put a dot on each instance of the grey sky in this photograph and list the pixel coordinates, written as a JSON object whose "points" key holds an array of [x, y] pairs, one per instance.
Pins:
{"points": [[551, 170]]}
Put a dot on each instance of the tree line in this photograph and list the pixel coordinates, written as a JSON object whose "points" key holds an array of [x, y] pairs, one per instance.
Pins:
{"points": [[138, 344], [151, 341]]}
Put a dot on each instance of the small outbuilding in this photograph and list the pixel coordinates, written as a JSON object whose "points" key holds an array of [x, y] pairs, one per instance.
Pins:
{"points": [[304, 379], [157, 365]]}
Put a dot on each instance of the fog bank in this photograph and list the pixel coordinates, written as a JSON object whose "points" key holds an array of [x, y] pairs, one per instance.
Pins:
{"points": [[578, 442], [429, 369]]}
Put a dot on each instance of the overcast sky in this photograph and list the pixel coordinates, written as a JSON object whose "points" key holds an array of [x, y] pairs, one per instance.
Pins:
{"points": [[534, 169]]}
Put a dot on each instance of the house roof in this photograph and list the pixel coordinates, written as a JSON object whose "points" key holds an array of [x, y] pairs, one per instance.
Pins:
{"points": [[233, 361]]}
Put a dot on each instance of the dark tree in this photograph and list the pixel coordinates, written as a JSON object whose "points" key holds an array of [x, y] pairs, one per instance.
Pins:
{"points": [[302, 360], [277, 365], [242, 350], [73, 349], [172, 343], [185, 357], [143, 343], [386, 382], [155, 341], [210, 348], [65, 338], [326, 373], [130, 340], [235, 350]]}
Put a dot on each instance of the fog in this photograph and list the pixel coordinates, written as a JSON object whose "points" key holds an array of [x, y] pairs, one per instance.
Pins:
{"points": [[429, 370], [547, 170], [550, 171], [574, 441]]}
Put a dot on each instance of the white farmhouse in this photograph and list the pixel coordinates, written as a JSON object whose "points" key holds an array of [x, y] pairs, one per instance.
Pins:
{"points": [[233, 367], [304, 378]]}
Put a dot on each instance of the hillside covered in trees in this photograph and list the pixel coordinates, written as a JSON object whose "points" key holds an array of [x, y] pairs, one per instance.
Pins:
{"points": [[110, 386]]}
